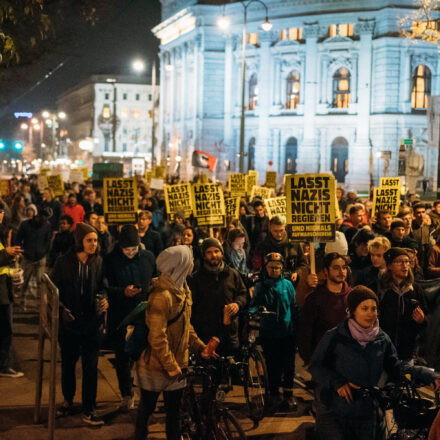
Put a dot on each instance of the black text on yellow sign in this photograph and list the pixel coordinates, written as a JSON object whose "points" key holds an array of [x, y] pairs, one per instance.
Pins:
{"points": [[386, 199], [310, 207], [276, 206], [120, 200], [237, 184], [208, 203], [56, 184], [232, 208], [178, 197], [271, 179]]}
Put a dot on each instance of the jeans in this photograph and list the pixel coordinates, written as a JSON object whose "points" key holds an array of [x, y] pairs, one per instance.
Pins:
{"points": [[172, 400], [279, 354], [123, 363], [72, 347], [35, 268], [5, 335]]}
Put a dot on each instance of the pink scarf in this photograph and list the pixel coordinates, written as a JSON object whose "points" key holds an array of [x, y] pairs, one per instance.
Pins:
{"points": [[361, 334]]}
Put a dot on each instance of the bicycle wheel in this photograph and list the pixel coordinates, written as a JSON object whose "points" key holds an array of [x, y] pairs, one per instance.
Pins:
{"points": [[226, 427], [256, 385]]}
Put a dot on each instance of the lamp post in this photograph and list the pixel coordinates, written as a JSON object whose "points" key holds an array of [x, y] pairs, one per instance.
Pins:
{"points": [[139, 66], [223, 23], [112, 81], [52, 120]]}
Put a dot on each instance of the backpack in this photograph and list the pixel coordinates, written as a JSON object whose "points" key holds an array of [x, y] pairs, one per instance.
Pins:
{"points": [[136, 339]]}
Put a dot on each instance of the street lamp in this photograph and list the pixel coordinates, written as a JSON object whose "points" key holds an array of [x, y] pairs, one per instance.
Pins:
{"points": [[266, 26], [112, 81], [138, 66], [51, 120]]}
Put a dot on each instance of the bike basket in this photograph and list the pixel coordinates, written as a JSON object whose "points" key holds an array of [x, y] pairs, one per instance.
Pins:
{"points": [[415, 413]]}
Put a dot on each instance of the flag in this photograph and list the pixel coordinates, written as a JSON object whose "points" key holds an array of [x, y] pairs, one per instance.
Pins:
{"points": [[200, 159]]}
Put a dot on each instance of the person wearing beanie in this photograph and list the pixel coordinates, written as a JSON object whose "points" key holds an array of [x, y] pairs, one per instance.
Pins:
{"points": [[355, 354], [218, 295], [402, 303], [31, 211], [398, 238], [128, 271], [78, 276], [339, 245]]}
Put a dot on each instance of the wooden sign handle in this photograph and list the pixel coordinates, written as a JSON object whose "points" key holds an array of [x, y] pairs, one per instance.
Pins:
{"points": [[312, 258]]}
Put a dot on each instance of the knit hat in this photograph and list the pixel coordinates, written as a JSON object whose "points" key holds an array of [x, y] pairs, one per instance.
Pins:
{"points": [[357, 295], [33, 207], [363, 236], [129, 236], [81, 230], [397, 223], [391, 254], [211, 242], [339, 245]]}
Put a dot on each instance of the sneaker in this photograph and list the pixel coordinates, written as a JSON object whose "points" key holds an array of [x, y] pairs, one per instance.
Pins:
{"points": [[65, 409], [92, 419], [127, 404], [9, 372]]}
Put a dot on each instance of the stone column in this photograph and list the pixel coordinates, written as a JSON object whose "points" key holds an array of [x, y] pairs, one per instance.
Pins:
{"points": [[358, 176], [264, 85], [308, 150]]}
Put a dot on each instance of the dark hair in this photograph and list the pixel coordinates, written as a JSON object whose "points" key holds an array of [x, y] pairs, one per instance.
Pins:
{"points": [[330, 257], [234, 234], [68, 219], [89, 214], [258, 203], [277, 220], [437, 202], [355, 208], [72, 194], [382, 212], [418, 206], [143, 213]]}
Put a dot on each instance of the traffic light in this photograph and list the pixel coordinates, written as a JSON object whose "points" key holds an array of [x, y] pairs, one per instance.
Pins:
{"points": [[2, 145], [18, 145]]}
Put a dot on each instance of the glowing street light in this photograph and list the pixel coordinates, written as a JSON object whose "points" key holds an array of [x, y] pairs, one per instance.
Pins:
{"points": [[45, 114], [18, 145], [24, 126], [223, 23], [62, 115], [267, 25], [138, 66], [37, 127], [34, 121]]}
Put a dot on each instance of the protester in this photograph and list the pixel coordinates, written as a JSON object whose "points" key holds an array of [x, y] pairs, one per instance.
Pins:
{"points": [[354, 354], [383, 222], [160, 366], [49, 201], [354, 221], [150, 238], [277, 330], [434, 214], [78, 276], [128, 271], [89, 202], [257, 225], [74, 209], [62, 241], [218, 295], [235, 255]]}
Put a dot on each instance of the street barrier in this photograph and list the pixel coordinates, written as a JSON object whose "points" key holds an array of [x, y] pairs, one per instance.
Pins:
{"points": [[48, 329]]}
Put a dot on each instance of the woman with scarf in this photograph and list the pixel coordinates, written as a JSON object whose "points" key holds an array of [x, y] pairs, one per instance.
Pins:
{"points": [[352, 355], [235, 254], [160, 365], [277, 330]]}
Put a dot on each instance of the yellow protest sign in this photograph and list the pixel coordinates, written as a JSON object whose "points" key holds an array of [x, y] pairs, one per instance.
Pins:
{"points": [[56, 184], [148, 176], [203, 178], [232, 208], [42, 182], [120, 199], [44, 171], [5, 187], [310, 207], [159, 172], [271, 179], [251, 181], [276, 206], [178, 197], [237, 184], [390, 182], [208, 203], [261, 191], [85, 172], [386, 199]]}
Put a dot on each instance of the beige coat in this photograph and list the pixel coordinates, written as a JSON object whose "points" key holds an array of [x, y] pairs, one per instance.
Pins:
{"points": [[168, 346]]}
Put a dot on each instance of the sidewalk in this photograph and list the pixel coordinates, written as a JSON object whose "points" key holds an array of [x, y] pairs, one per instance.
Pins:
{"points": [[17, 398]]}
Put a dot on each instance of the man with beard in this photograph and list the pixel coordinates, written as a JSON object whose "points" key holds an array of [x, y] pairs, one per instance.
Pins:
{"points": [[326, 306], [276, 241], [218, 295], [257, 225]]}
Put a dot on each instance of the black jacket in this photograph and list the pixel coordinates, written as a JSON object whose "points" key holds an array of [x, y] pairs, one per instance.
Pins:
{"points": [[211, 292], [6, 296], [96, 208], [121, 272], [152, 241], [80, 301], [61, 244], [56, 208], [34, 238]]}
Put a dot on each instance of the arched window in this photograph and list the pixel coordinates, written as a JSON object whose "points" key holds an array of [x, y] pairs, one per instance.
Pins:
{"points": [[339, 158], [291, 156], [253, 92], [341, 88], [421, 87], [292, 92], [251, 154]]}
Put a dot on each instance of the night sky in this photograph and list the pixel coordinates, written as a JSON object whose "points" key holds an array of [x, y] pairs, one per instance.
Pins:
{"points": [[122, 35]]}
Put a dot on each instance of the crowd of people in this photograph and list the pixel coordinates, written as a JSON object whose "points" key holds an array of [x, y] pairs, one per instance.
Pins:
{"points": [[369, 307]]}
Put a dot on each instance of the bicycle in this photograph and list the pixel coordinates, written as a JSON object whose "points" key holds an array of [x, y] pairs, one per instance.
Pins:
{"points": [[413, 414], [204, 415]]}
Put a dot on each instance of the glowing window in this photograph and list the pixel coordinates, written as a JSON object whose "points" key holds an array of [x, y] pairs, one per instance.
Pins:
{"points": [[253, 39], [295, 33], [341, 88], [421, 87], [283, 35], [136, 114], [124, 113], [253, 92], [292, 92], [343, 30]]}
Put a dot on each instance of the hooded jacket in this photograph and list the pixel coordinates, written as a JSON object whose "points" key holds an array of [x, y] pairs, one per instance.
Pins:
{"points": [[212, 291], [322, 311], [34, 237], [339, 359], [168, 346]]}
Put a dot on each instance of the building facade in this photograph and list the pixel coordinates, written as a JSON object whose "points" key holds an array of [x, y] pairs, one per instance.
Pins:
{"points": [[90, 107], [331, 87]]}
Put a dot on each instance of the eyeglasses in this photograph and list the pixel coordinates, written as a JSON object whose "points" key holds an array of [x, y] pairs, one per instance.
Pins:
{"points": [[402, 262]]}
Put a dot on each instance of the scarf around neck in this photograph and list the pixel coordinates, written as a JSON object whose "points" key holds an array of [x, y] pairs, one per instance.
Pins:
{"points": [[363, 335]]}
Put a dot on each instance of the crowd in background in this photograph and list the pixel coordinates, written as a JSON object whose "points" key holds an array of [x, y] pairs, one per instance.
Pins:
{"points": [[102, 272]]}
